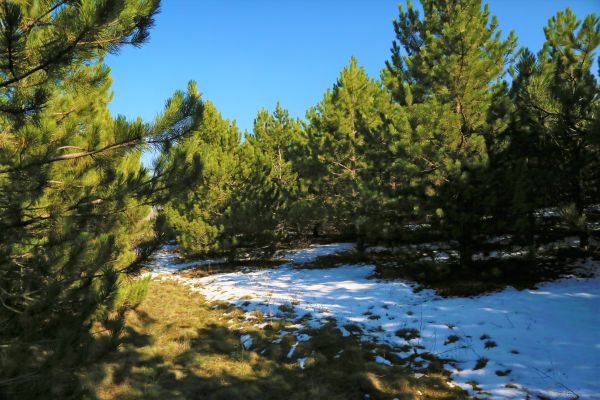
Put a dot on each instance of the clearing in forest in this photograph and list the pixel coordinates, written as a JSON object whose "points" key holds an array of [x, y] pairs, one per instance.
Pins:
{"points": [[506, 344]]}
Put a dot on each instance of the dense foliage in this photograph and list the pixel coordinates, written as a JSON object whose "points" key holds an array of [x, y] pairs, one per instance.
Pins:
{"points": [[75, 198], [463, 136]]}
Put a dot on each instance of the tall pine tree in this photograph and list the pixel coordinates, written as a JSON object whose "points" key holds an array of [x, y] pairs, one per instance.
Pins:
{"points": [[196, 216], [75, 196], [566, 94], [266, 187], [447, 69]]}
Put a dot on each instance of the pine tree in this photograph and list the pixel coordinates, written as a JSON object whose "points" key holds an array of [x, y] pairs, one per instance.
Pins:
{"points": [[388, 203], [196, 216], [523, 170], [340, 129], [446, 68], [277, 136], [566, 94], [266, 185], [75, 196]]}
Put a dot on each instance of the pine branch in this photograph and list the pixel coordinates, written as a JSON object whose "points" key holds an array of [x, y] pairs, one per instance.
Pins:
{"points": [[35, 22], [59, 55], [73, 156]]}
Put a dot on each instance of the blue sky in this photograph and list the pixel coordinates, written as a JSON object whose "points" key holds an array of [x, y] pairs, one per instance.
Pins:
{"points": [[247, 55]]}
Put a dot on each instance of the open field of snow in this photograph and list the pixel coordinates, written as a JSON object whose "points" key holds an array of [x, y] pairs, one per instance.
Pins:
{"points": [[532, 342]]}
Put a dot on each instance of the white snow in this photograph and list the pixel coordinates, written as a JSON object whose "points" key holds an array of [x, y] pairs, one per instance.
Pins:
{"points": [[246, 341], [292, 350], [311, 253], [381, 360], [167, 260], [303, 337], [547, 341], [301, 361]]}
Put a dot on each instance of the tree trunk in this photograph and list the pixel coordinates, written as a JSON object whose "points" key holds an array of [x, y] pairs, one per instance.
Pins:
{"points": [[465, 234], [316, 229], [231, 255], [584, 239], [530, 235], [466, 252], [578, 197], [465, 241]]}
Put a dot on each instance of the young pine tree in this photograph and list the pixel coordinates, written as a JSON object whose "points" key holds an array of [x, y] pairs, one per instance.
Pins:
{"points": [[196, 216], [446, 69], [266, 185], [566, 94], [341, 130], [74, 195], [525, 177]]}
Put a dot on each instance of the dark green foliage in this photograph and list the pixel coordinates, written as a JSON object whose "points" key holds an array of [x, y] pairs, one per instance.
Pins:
{"points": [[347, 138], [196, 217], [446, 69], [565, 93], [524, 166], [552, 157], [259, 214], [441, 147], [75, 198], [244, 191]]}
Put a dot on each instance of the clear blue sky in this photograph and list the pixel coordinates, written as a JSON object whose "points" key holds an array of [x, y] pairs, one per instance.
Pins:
{"points": [[246, 55]]}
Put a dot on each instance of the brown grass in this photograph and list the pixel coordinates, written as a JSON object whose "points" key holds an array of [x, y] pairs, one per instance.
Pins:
{"points": [[210, 269], [176, 346]]}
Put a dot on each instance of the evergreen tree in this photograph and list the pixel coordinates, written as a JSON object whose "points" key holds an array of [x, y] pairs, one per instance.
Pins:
{"points": [[446, 68], [388, 203], [524, 167], [566, 95], [277, 136], [266, 186], [196, 216], [75, 197], [340, 130]]}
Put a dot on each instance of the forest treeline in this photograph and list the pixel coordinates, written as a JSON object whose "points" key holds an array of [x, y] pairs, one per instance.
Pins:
{"points": [[463, 136]]}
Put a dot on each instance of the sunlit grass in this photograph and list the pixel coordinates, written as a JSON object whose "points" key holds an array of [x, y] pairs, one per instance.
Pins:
{"points": [[176, 346]]}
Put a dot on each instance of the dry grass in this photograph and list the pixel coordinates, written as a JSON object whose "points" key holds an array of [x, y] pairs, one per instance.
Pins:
{"points": [[234, 266], [176, 346]]}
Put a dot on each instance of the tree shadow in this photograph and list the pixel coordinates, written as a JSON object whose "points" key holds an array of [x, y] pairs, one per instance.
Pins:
{"points": [[214, 364]]}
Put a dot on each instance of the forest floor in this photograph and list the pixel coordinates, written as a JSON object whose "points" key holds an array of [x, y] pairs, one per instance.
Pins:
{"points": [[323, 323]]}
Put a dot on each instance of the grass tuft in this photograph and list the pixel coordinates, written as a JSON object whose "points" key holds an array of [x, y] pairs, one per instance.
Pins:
{"points": [[451, 339], [503, 373], [408, 333]]}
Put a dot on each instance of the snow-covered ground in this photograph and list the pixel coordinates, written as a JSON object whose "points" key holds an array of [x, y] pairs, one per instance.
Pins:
{"points": [[537, 342], [166, 260]]}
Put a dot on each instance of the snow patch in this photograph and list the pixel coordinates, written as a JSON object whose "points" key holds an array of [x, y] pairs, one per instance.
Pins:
{"points": [[541, 342], [292, 350], [301, 361], [381, 360], [246, 341], [311, 253]]}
